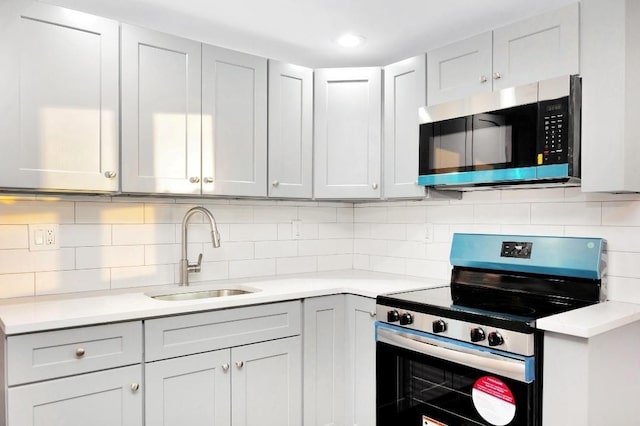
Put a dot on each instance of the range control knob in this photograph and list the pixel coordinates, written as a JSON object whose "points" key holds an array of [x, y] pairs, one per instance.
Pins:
{"points": [[393, 316], [439, 326], [477, 334], [406, 319], [495, 339]]}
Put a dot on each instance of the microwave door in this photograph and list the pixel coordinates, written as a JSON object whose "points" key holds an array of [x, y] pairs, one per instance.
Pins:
{"points": [[491, 145], [449, 146]]}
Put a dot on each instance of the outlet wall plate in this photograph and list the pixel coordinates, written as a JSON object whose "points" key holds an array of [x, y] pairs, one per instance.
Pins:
{"points": [[44, 237]]}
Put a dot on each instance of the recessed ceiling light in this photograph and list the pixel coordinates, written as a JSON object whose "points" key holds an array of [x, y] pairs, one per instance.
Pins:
{"points": [[350, 40]]}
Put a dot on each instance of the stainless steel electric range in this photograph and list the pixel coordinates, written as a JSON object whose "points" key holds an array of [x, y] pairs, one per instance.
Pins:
{"points": [[469, 353]]}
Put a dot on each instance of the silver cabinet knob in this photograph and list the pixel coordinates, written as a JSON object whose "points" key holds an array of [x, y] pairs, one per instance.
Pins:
{"points": [[239, 364], [110, 174], [372, 314], [275, 182], [194, 179], [483, 79], [374, 185], [135, 387], [80, 352], [225, 367], [208, 179], [497, 76]]}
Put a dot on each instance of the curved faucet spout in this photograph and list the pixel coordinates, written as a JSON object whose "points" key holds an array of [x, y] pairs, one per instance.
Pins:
{"points": [[185, 267]]}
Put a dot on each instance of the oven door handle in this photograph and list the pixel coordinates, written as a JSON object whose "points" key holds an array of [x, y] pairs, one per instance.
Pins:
{"points": [[480, 360]]}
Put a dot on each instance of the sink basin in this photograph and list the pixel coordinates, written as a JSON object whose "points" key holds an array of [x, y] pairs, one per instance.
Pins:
{"points": [[205, 294]]}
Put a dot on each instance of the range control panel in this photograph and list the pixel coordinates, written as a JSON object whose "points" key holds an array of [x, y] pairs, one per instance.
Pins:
{"points": [[521, 250]]}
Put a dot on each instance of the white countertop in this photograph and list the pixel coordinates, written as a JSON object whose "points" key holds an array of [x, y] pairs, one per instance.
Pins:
{"points": [[51, 312], [591, 320]]}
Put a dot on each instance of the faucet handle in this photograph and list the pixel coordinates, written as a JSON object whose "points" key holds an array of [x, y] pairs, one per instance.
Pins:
{"points": [[196, 266]]}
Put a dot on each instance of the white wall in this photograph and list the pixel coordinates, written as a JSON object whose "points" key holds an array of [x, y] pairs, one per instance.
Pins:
{"points": [[128, 242]]}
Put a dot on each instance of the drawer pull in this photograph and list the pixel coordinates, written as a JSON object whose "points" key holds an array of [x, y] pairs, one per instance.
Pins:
{"points": [[239, 364], [79, 352], [135, 387]]}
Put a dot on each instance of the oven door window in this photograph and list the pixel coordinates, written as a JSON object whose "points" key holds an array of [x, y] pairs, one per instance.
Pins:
{"points": [[415, 389]]}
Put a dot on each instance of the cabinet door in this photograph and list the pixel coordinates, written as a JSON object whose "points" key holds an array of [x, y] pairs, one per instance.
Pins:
{"points": [[347, 133], [459, 69], [160, 113], [290, 130], [360, 361], [267, 383], [234, 123], [404, 92], [324, 368], [107, 398], [193, 390], [538, 48], [58, 98]]}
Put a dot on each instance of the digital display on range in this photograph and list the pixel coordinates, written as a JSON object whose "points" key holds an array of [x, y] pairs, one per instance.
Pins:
{"points": [[520, 250]]}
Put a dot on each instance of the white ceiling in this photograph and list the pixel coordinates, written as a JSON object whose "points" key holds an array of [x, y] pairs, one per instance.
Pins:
{"points": [[303, 31]]}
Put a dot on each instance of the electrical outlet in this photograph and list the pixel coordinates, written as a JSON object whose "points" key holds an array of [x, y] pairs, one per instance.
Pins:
{"points": [[44, 237], [428, 232], [296, 229]]}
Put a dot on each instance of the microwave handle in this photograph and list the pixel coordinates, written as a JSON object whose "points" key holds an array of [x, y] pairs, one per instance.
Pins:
{"points": [[504, 366]]}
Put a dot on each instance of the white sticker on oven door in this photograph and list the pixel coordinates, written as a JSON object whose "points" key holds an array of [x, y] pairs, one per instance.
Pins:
{"points": [[428, 421], [493, 400]]}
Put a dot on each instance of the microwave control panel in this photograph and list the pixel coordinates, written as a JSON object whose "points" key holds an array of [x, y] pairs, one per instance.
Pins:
{"points": [[554, 125]]}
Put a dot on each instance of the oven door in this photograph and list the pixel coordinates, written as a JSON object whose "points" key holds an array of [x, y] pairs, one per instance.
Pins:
{"points": [[426, 380]]}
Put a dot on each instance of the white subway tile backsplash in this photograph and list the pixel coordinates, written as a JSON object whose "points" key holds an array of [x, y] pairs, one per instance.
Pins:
{"points": [[370, 214], [391, 265], [270, 249], [502, 214], [622, 264], [406, 214], [14, 237], [166, 213], [85, 235], [362, 262], [407, 249], [252, 268], [228, 250], [532, 230], [296, 265], [18, 261], [141, 276], [231, 213], [374, 247], [211, 271], [362, 230], [439, 270], [345, 214], [566, 213], [26, 212], [624, 289], [335, 230], [253, 232], [450, 214], [534, 195], [389, 231], [619, 238], [336, 262], [109, 212], [72, 281], [123, 235], [161, 254], [17, 285], [323, 247], [109, 257], [318, 214], [274, 214], [623, 213]]}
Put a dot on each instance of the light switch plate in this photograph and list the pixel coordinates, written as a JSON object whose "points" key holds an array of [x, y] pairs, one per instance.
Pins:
{"points": [[44, 237]]}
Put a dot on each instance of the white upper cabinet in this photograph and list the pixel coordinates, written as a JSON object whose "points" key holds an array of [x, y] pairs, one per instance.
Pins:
{"points": [[456, 70], [290, 130], [404, 92], [538, 48], [610, 66], [59, 98], [161, 130], [234, 123], [347, 133]]}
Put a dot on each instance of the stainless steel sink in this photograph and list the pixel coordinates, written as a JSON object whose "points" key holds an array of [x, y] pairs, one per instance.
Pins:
{"points": [[205, 294]]}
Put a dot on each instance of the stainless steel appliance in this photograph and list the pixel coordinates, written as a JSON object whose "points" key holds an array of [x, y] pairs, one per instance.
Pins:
{"points": [[469, 353], [520, 135]]}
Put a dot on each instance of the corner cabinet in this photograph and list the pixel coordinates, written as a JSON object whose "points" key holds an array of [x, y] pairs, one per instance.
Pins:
{"points": [[347, 133], [404, 92], [290, 130], [538, 48], [59, 99], [234, 123], [161, 130], [75, 377], [339, 354]]}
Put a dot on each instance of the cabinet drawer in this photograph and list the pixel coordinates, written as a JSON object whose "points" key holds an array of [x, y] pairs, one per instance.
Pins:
{"points": [[50, 354], [187, 334]]}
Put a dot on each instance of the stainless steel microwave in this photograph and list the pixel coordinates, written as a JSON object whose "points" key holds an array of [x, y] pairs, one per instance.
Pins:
{"points": [[521, 135]]}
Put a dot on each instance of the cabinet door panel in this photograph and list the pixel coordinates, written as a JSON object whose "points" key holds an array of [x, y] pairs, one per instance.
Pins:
{"points": [[58, 97], [347, 133], [105, 398], [290, 130], [404, 92], [538, 48], [459, 69], [194, 390], [267, 383], [324, 367], [234, 100], [160, 112]]}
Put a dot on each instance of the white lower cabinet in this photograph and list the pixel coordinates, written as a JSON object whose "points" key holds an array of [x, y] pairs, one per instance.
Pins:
{"points": [[106, 398], [339, 361]]}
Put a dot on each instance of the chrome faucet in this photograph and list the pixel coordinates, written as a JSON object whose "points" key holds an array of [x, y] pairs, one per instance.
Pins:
{"points": [[185, 267]]}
